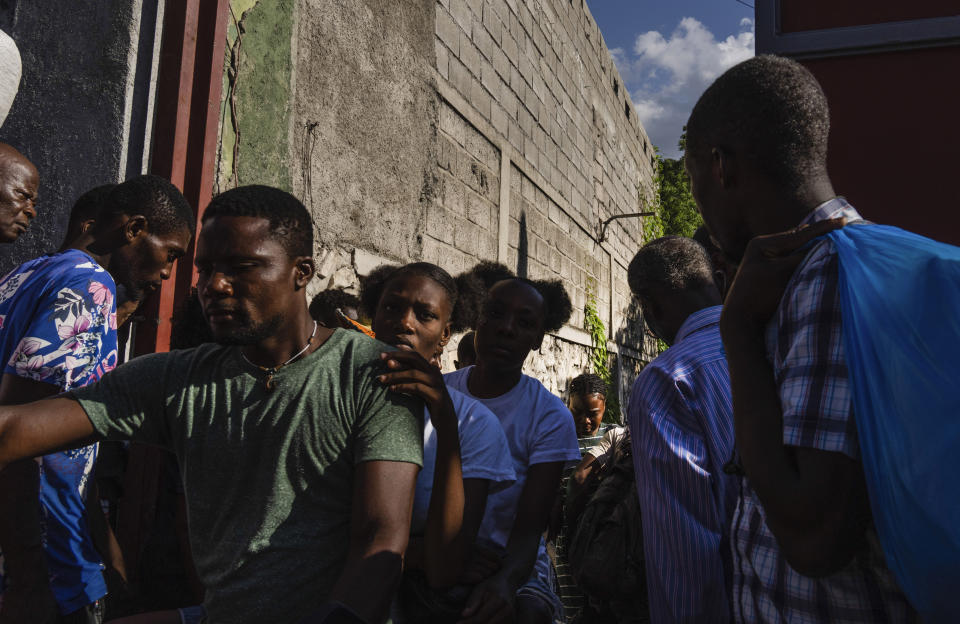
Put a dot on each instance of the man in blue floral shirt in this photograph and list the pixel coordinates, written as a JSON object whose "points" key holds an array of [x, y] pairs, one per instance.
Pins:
{"points": [[58, 331]]}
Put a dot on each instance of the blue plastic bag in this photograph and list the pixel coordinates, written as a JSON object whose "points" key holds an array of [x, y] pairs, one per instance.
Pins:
{"points": [[900, 296]]}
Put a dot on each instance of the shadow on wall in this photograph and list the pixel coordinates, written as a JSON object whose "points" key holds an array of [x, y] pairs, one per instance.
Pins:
{"points": [[523, 247], [632, 334]]}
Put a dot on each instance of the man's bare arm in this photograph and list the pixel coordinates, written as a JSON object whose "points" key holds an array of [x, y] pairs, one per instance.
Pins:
{"points": [[379, 530], [41, 427], [814, 501]]}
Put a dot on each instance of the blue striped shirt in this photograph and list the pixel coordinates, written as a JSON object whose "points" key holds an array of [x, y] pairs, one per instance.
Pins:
{"points": [[681, 422]]}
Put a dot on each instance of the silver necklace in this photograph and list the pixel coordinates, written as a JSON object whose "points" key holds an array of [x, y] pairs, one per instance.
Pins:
{"points": [[269, 383]]}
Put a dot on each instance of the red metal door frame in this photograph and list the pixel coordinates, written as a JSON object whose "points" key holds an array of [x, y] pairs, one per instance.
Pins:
{"points": [[189, 88]]}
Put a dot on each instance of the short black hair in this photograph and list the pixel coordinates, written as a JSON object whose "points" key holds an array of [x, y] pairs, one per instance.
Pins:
{"points": [[323, 307], [557, 306], [88, 205], [155, 198], [672, 264], [290, 223], [587, 384], [465, 292], [775, 110]]}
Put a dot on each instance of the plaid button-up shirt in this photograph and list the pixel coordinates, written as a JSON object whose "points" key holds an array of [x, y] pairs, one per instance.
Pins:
{"points": [[805, 347]]}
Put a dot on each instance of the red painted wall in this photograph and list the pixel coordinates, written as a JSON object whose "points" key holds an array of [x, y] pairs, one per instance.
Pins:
{"points": [[895, 136], [799, 15]]}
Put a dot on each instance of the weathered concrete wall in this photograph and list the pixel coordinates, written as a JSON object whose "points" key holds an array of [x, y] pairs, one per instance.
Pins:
{"points": [[257, 95], [536, 126], [452, 131], [71, 116]]}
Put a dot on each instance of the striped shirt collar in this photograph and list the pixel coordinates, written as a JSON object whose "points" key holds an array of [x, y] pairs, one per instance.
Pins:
{"points": [[831, 209], [700, 319]]}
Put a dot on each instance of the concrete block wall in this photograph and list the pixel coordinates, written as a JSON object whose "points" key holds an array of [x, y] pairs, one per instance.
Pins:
{"points": [[455, 131], [533, 85]]}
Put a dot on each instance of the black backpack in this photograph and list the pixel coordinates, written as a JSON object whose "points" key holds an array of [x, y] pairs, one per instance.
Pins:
{"points": [[606, 548]]}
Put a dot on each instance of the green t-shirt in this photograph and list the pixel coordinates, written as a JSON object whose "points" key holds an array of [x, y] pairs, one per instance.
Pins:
{"points": [[268, 476]]}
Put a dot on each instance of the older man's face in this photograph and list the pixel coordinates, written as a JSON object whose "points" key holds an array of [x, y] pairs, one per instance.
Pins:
{"points": [[19, 184]]}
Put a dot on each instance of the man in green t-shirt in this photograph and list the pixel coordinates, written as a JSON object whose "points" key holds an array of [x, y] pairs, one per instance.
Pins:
{"points": [[298, 464]]}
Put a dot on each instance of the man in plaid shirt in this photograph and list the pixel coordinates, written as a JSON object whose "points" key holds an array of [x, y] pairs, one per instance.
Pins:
{"points": [[804, 545]]}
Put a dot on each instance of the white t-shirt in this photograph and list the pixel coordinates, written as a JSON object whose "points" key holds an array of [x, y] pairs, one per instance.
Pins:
{"points": [[484, 453], [610, 446], [539, 430]]}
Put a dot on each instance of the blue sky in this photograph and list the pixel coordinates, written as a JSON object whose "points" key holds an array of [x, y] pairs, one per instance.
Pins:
{"points": [[669, 51]]}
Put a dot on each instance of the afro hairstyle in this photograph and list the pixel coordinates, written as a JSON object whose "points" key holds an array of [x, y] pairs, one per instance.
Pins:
{"points": [[557, 306], [465, 291]]}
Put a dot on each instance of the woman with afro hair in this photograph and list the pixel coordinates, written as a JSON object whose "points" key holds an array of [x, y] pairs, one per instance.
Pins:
{"points": [[415, 308], [515, 316]]}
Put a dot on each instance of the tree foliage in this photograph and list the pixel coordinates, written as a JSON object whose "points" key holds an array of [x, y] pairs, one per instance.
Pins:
{"points": [[676, 209]]}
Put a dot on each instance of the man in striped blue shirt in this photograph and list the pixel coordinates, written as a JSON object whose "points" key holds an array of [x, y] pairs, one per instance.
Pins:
{"points": [[681, 422]]}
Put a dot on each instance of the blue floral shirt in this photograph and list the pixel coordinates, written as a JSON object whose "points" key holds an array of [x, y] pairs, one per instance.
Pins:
{"points": [[58, 325]]}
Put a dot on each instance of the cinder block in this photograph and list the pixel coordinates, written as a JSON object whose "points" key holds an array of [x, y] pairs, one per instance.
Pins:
{"points": [[514, 232], [469, 54], [509, 102], [443, 58], [528, 68], [555, 261], [498, 117], [461, 12], [492, 190], [484, 42], [439, 224], [502, 64], [480, 98], [490, 80], [452, 123], [481, 149], [492, 22], [526, 122], [515, 135], [555, 214], [445, 151], [460, 77], [532, 103], [448, 30], [475, 208], [488, 246], [466, 237], [510, 46], [454, 200]]}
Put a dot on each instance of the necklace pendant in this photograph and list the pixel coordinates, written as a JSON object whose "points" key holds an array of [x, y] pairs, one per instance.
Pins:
{"points": [[269, 383]]}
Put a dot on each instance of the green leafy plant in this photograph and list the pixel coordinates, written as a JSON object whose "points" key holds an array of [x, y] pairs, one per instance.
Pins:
{"points": [[599, 356], [676, 210]]}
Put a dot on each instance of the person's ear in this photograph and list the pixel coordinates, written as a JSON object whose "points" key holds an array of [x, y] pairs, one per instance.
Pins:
{"points": [[445, 335], [86, 225], [722, 167], [304, 269], [134, 227]]}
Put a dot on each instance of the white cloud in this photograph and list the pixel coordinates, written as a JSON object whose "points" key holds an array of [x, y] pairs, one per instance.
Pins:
{"points": [[665, 76]]}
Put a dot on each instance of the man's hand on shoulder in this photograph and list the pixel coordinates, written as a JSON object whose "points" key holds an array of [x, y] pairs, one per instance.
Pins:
{"points": [[766, 269]]}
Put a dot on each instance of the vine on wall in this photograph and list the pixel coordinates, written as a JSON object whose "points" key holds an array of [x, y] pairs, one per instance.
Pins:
{"points": [[599, 356]]}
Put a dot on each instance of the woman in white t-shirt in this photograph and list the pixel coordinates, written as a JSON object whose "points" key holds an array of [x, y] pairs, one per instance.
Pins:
{"points": [[515, 316], [466, 457]]}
